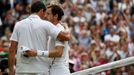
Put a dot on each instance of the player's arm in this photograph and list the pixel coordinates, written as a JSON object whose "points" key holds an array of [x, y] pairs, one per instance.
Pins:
{"points": [[56, 52], [13, 49], [64, 36], [56, 33], [11, 57], [66, 33]]}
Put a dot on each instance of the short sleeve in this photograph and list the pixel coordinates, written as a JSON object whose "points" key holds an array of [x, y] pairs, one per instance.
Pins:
{"points": [[59, 43], [15, 34], [53, 31]]}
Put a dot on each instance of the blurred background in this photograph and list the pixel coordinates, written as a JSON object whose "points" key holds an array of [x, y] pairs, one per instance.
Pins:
{"points": [[103, 31]]}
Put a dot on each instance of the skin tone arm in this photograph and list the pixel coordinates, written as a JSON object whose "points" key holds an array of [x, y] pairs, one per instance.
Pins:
{"points": [[57, 52], [11, 57], [64, 36]]}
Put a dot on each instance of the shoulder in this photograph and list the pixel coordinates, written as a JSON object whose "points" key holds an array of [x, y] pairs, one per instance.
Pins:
{"points": [[60, 26], [20, 24], [45, 22]]}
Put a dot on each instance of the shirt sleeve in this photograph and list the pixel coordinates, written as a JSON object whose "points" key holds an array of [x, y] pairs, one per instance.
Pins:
{"points": [[59, 43], [53, 31], [14, 36]]}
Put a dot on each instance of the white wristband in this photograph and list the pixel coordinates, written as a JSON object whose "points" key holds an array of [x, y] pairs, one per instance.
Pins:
{"points": [[42, 53]]}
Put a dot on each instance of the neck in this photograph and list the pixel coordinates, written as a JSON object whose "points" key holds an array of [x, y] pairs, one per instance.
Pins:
{"points": [[37, 14]]}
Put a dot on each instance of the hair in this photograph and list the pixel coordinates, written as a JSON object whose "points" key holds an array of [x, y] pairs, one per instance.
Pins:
{"points": [[37, 6], [56, 10]]}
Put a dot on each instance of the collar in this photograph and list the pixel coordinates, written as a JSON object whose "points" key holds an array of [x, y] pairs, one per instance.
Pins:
{"points": [[34, 16]]}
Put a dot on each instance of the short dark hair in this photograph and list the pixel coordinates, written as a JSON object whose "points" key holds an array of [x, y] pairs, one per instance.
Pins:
{"points": [[37, 6], [56, 9]]}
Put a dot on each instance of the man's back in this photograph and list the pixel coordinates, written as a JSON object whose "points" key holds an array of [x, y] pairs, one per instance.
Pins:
{"points": [[32, 33]]}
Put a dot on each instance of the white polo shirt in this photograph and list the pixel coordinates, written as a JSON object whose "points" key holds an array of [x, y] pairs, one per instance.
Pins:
{"points": [[64, 59], [33, 33]]}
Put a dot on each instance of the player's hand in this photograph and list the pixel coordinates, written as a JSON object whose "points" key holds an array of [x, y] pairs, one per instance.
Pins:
{"points": [[31, 53]]}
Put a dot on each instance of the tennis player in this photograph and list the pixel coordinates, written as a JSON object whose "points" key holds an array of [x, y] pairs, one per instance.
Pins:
{"points": [[58, 65]]}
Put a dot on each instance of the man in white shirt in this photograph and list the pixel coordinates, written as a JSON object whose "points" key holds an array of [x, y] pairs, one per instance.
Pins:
{"points": [[58, 65], [33, 33], [58, 50]]}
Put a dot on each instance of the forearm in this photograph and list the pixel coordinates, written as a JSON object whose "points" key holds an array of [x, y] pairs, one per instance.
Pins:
{"points": [[50, 54], [11, 62], [11, 57], [64, 36], [56, 52]]}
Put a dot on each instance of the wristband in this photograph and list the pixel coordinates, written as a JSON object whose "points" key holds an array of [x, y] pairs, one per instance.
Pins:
{"points": [[42, 53]]}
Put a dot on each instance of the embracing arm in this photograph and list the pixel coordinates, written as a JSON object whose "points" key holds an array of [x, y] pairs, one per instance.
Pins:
{"points": [[57, 33], [56, 52], [11, 57], [64, 36]]}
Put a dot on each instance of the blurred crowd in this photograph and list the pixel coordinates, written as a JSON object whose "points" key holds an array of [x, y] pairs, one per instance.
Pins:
{"points": [[102, 31]]}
